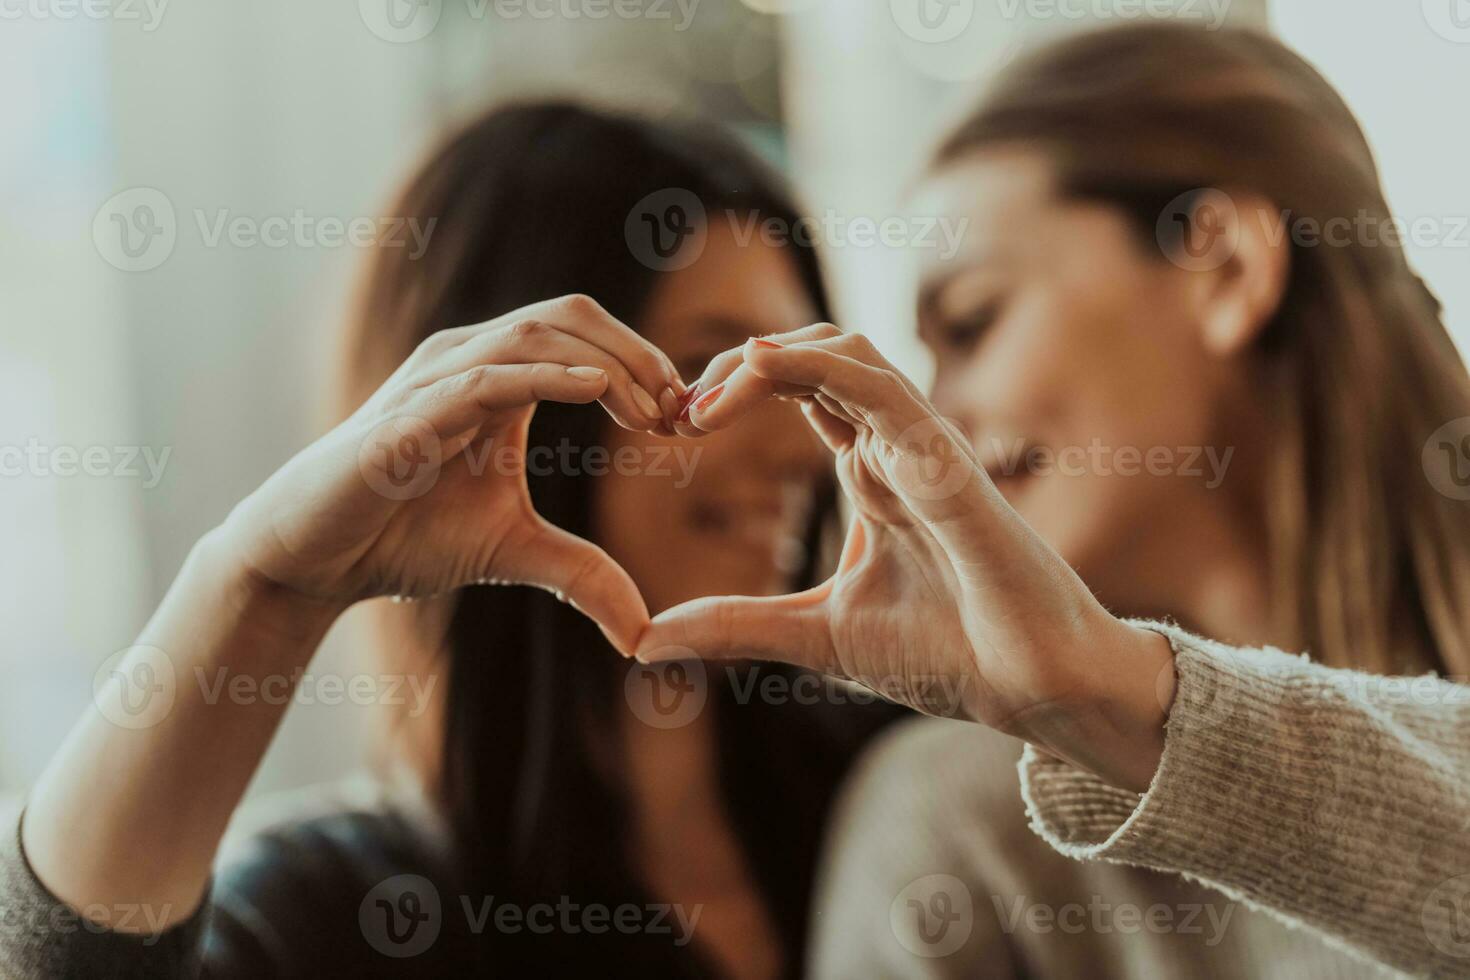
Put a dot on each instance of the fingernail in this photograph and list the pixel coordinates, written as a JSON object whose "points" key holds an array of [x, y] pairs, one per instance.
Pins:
{"points": [[661, 655], [763, 342], [686, 402], [587, 373], [646, 404], [670, 404], [709, 399]]}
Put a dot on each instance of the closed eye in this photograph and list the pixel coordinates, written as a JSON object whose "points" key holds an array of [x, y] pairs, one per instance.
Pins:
{"points": [[963, 333]]}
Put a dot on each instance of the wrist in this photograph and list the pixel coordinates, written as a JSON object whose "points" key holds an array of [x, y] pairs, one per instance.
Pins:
{"points": [[267, 605], [1112, 725]]}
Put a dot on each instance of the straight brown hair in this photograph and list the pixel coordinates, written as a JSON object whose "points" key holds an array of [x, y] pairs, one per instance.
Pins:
{"points": [[1371, 563]]}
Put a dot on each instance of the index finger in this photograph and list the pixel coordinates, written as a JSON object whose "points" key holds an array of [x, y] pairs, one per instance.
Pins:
{"points": [[725, 387], [583, 317]]}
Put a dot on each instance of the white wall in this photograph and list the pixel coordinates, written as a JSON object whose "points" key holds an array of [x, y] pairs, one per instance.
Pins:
{"points": [[870, 86], [1404, 69], [220, 353]]}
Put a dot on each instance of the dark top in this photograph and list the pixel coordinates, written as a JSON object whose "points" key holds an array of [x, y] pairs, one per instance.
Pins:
{"points": [[352, 894], [370, 890]]}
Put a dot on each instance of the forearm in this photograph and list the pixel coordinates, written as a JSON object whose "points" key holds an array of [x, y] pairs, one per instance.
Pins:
{"points": [[1336, 800], [131, 809]]}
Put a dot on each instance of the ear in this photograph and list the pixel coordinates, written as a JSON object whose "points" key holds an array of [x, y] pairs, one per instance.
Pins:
{"points": [[1237, 297]]}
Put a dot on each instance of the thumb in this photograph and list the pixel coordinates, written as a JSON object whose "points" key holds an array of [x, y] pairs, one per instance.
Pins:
{"points": [[582, 575], [789, 628]]}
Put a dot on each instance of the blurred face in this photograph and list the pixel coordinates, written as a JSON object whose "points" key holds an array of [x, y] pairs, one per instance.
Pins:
{"points": [[725, 514], [1071, 353]]}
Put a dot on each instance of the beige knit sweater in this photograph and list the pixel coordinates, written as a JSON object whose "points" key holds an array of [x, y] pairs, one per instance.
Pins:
{"points": [[1303, 822]]}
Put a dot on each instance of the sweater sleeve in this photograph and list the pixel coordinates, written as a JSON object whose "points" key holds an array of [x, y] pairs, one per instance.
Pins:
{"points": [[1335, 800], [41, 937]]}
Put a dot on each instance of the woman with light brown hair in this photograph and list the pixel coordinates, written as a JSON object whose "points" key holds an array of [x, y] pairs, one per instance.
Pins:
{"points": [[1163, 409]]}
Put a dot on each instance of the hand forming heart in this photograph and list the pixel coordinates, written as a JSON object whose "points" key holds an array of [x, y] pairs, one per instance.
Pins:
{"points": [[944, 599], [388, 503]]}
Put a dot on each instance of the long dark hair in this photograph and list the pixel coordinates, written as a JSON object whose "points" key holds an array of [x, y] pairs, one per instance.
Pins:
{"points": [[531, 203]]}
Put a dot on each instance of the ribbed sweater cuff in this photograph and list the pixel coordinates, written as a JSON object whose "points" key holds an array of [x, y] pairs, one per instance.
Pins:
{"points": [[1285, 786], [1223, 727]]}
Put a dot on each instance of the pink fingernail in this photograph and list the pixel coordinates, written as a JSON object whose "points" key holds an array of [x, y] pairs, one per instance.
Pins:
{"points": [[686, 402], [709, 399], [763, 342]]}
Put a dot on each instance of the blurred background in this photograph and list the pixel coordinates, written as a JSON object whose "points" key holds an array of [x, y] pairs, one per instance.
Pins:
{"points": [[187, 370]]}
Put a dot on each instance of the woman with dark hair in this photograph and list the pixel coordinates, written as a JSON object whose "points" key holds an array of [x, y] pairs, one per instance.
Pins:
{"points": [[556, 809]]}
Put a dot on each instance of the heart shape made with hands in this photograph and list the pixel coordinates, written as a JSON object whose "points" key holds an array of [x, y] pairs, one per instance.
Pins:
{"points": [[325, 528], [943, 599], [913, 483]]}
